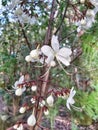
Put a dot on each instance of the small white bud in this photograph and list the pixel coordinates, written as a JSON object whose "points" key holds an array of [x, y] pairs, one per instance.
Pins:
{"points": [[34, 54], [22, 109], [50, 100], [34, 88], [42, 103], [32, 100], [82, 1], [18, 92], [46, 112], [83, 22], [20, 127], [52, 63], [31, 121], [15, 126], [28, 58]]}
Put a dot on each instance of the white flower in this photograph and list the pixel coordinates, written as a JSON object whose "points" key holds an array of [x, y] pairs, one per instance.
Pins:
{"points": [[70, 100], [31, 121], [50, 100], [34, 88], [22, 109], [20, 81], [62, 55]]}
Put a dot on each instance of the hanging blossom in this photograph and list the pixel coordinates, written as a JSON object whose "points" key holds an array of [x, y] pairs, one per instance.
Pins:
{"points": [[62, 55], [18, 89], [70, 100]]}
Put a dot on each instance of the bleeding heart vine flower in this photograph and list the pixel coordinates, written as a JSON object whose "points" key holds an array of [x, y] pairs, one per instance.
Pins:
{"points": [[70, 100], [18, 89], [62, 55]]}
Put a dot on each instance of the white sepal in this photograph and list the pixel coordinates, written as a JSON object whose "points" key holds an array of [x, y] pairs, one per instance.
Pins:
{"points": [[31, 121], [34, 88], [28, 58], [18, 92], [46, 112], [50, 100], [22, 109]]}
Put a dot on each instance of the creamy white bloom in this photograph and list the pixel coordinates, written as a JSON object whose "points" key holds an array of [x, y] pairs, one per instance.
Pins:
{"points": [[31, 121], [62, 55], [22, 109], [70, 101], [34, 88], [50, 100]]}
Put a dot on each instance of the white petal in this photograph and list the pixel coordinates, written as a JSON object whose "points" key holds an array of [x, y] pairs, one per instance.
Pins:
{"points": [[47, 50], [21, 79], [55, 43], [63, 60], [65, 52], [72, 92], [16, 84], [68, 105], [49, 59]]}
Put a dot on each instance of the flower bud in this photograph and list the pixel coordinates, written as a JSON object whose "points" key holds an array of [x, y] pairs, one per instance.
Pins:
{"points": [[42, 103], [46, 112], [53, 63], [22, 109], [20, 127], [82, 1], [18, 92], [34, 88], [15, 126], [28, 58], [34, 54], [50, 100], [32, 100], [31, 121], [83, 22]]}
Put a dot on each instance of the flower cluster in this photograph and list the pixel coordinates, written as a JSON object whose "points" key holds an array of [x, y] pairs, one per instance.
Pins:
{"points": [[20, 14], [87, 21], [50, 53]]}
